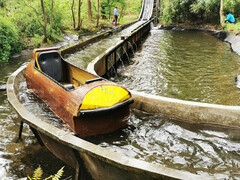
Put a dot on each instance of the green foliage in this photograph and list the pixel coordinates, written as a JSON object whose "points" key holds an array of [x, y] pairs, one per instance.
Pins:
{"points": [[30, 22], [24, 19], [107, 7], [37, 175], [208, 10], [37, 40], [204, 11], [9, 39], [233, 27], [134, 6]]}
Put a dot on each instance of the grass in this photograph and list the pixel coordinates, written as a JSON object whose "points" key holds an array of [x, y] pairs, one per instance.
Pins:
{"points": [[90, 25], [233, 27], [130, 17]]}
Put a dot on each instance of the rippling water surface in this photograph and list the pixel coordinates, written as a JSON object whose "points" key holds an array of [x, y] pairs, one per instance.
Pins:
{"points": [[189, 147], [188, 65], [87, 54], [17, 160], [162, 140]]}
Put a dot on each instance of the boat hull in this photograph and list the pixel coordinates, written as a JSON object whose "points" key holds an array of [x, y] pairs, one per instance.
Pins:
{"points": [[67, 103], [101, 123]]}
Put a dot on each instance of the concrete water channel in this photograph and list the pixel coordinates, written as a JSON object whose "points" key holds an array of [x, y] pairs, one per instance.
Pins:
{"points": [[183, 65], [17, 160], [157, 138], [205, 150]]}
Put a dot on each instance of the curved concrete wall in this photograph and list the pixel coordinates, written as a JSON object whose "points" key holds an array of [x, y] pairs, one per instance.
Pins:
{"points": [[183, 110], [187, 110]]}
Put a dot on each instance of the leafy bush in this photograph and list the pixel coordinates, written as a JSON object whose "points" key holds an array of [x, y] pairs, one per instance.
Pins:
{"points": [[233, 27], [9, 39], [37, 41], [204, 11], [30, 22], [107, 7]]}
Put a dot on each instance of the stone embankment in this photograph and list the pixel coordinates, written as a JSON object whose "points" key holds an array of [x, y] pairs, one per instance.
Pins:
{"points": [[234, 40]]}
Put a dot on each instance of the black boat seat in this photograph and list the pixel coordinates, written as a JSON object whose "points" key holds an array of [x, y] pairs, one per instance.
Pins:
{"points": [[50, 62]]}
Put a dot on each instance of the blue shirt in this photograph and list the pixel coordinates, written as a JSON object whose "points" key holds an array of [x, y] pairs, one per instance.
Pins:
{"points": [[115, 12], [230, 18]]}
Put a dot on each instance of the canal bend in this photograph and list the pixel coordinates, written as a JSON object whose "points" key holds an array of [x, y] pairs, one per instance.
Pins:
{"points": [[185, 65]]}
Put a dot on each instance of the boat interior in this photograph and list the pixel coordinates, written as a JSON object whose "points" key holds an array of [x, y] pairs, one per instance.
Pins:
{"points": [[67, 75]]}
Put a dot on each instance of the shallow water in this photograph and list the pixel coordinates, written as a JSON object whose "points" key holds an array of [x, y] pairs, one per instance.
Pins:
{"points": [[17, 160], [87, 54], [204, 150], [188, 65], [154, 138], [168, 142]]}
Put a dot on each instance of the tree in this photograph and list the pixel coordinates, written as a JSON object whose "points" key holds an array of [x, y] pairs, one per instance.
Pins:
{"points": [[98, 11], [221, 14], [51, 19], [89, 10], [73, 16], [79, 15], [107, 7], [45, 22]]}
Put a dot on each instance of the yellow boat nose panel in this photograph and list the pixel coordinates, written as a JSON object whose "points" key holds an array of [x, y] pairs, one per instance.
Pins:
{"points": [[104, 96]]}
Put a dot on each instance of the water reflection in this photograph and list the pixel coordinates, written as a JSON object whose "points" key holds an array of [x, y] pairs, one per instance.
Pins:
{"points": [[86, 54], [165, 141], [186, 65], [17, 160], [206, 74], [199, 149]]}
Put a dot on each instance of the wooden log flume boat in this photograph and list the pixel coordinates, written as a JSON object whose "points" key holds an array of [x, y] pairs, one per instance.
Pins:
{"points": [[89, 104], [90, 161]]}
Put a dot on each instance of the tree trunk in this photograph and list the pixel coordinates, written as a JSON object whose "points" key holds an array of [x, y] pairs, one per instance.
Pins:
{"points": [[98, 11], [45, 22], [73, 16], [4, 7], [79, 15], [121, 13], [221, 14], [51, 19], [89, 10]]}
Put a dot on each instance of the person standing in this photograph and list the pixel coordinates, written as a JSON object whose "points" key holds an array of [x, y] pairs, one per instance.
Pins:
{"points": [[115, 12], [230, 18]]}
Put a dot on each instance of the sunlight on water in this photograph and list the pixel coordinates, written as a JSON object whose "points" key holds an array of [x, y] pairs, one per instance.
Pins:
{"points": [[188, 65], [188, 147], [87, 54]]}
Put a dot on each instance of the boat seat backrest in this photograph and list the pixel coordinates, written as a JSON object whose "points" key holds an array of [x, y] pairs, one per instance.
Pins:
{"points": [[50, 62]]}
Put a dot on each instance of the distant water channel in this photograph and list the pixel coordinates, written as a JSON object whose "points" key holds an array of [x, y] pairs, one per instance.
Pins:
{"points": [[187, 65], [86, 54], [180, 64]]}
